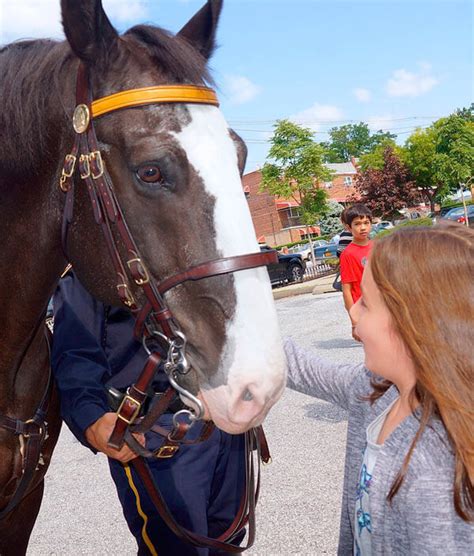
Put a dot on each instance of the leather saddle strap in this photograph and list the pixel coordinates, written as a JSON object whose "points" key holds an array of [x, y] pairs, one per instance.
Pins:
{"points": [[221, 543]]}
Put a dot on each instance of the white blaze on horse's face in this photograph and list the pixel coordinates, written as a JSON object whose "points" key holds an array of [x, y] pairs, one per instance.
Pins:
{"points": [[252, 371]]}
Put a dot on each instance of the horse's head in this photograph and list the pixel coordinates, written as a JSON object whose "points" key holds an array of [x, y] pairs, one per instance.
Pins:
{"points": [[176, 173]]}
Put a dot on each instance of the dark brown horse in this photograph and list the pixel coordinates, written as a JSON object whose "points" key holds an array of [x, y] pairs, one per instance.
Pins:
{"points": [[175, 170]]}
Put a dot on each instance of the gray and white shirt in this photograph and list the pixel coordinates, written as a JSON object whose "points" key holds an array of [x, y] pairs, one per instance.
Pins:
{"points": [[421, 519]]}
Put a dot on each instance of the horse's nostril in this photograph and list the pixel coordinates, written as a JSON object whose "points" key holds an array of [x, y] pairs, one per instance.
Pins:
{"points": [[247, 396]]}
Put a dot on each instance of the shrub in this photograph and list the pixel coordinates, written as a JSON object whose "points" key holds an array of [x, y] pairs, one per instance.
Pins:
{"points": [[416, 222]]}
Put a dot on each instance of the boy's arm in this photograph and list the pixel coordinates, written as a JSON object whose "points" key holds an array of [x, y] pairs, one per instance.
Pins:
{"points": [[347, 296], [346, 279], [317, 377]]}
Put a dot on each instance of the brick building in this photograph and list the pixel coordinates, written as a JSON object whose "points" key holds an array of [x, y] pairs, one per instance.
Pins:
{"points": [[277, 221]]}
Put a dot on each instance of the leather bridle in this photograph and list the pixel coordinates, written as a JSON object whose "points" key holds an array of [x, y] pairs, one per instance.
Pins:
{"points": [[32, 434], [155, 325]]}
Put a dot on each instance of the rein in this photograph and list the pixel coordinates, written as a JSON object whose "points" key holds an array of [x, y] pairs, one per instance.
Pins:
{"points": [[155, 325], [31, 433]]}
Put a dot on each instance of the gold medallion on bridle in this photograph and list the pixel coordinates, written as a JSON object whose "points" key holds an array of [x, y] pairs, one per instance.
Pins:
{"points": [[81, 118]]}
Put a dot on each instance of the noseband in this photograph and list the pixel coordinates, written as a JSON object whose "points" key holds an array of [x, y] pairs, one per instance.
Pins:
{"points": [[155, 325]]}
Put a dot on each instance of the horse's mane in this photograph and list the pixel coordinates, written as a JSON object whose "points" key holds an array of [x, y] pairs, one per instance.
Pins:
{"points": [[30, 73], [31, 79]]}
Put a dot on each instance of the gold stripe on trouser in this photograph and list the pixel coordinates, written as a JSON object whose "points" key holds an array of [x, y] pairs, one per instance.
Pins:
{"points": [[142, 514]]}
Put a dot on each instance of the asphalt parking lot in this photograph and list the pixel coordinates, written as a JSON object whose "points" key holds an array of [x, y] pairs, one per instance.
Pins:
{"points": [[298, 512]]}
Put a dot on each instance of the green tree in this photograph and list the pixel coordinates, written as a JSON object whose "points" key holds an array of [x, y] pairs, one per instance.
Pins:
{"points": [[353, 140], [455, 149], [375, 158], [441, 157], [421, 158], [330, 222], [466, 113], [294, 168]]}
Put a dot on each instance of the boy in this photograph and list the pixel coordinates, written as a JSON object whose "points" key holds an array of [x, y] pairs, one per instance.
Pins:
{"points": [[355, 256]]}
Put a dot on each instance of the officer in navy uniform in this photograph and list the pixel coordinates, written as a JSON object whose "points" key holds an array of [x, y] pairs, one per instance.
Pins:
{"points": [[202, 484]]}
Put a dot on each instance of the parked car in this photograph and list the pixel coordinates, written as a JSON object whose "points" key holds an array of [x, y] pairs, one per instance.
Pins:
{"points": [[376, 228], [457, 214], [303, 250], [325, 249], [290, 268]]}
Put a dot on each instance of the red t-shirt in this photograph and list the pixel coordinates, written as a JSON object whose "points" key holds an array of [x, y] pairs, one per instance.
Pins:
{"points": [[353, 260]]}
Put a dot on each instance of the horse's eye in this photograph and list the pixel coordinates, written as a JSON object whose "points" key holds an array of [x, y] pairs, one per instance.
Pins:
{"points": [[150, 173]]}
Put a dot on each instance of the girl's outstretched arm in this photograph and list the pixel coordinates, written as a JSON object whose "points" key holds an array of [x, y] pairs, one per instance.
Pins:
{"points": [[317, 377]]}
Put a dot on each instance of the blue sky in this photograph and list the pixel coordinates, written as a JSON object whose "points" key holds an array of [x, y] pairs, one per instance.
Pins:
{"points": [[395, 64]]}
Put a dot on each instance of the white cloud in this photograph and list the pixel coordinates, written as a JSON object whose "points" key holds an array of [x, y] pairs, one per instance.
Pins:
{"points": [[362, 95], [240, 89], [404, 83], [21, 19], [316, 115], [383, 122]]}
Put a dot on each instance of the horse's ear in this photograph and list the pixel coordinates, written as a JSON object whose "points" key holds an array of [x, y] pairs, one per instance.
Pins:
{"points": [[200, 30], [88, 29]]}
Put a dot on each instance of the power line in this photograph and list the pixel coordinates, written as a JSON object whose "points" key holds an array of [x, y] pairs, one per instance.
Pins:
{"points": [[330, 122]]}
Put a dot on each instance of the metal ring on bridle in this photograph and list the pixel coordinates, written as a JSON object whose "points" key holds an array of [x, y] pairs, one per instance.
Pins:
{"points": [[197, 408], [163, 340], [189, 415]]}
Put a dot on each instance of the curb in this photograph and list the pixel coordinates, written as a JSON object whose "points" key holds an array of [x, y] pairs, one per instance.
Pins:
{"points": [[316, 287]]}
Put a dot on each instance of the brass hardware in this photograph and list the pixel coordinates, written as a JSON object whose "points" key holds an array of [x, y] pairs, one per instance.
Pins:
{"points": [[40, 428], [166, 452], [95, 155], [84, 160], [70, 160], [146, 278], [81, 118], [129, 300], [135, 413]]}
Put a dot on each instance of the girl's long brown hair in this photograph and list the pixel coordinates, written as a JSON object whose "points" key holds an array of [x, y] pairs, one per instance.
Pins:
{"points": [[426, 278]]}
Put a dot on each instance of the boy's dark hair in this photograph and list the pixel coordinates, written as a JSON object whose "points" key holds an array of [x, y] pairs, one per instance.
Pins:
{"points": [[355, 211]]}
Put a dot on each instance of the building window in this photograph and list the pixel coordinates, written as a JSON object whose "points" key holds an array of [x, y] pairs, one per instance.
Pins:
{"points": [[347, 181], [328, 184]]}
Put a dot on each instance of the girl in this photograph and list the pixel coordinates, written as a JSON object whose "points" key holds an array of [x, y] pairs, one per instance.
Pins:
{"points": [[409, 470]]}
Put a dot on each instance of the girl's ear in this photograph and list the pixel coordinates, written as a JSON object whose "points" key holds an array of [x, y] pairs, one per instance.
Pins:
{"points": [[200, 30], [88, 30]]}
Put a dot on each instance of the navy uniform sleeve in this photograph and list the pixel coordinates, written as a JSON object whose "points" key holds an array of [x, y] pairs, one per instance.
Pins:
{"points": [[79, 363]]}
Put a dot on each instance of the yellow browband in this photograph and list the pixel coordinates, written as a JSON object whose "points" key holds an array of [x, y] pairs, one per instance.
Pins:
{"points": [[151, 95]]}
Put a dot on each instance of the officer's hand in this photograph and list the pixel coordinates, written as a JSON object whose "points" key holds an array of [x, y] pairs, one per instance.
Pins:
{"points": [[99, 433]]}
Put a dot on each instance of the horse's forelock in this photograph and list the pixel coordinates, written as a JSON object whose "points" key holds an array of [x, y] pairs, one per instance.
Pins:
{"points": [[173, 55]]}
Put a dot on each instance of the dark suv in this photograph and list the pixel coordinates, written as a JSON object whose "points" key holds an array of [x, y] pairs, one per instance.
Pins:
{"points": [[290, 268]]}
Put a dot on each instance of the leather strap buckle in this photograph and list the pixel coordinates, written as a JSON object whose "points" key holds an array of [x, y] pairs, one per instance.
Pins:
{"points": [[96, 163], [84, 166], [137, 406], [141, 269], [67, 171], [125, 294], [165, 452]]}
